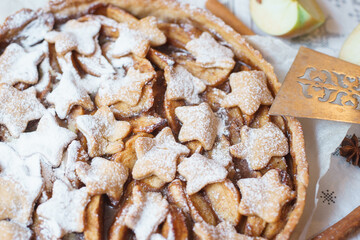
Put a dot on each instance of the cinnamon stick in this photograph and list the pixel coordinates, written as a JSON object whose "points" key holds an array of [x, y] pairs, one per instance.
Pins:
{"points": [[342, 228], [228, 17]]}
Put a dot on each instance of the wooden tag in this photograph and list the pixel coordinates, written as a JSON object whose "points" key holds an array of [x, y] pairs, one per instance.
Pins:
{"points": [[319, 86]]}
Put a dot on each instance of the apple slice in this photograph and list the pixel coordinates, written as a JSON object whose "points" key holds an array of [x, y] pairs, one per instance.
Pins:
{"points": [[286, 18], [350, 51]]}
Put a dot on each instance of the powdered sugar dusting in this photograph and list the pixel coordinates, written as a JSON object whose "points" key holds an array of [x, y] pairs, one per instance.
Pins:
{"points": [[137, 36], [223, 230], [18, 108], [122, 63], [199, 123], [18, 177], [146, 214], [103, 133], [89, 82], [200, 171], [49, 139], [18, 65], [68, 94], [35, 31], [96, 64], [220, 153], [264, 196], [130, 41], [223, 122], [183, 85], [148, 27], [48, 175], [249, 90], [12, 230], [19, 19], [127, 89], [258, 145], [210, 53], [65, 210], [158, 156], [103, 177], [105, 21], [75, 35], [44, 69], [66, 171], [157, 236]]}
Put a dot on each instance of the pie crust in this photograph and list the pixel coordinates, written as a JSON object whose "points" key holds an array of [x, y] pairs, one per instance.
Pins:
{"points": [[93, 113]]}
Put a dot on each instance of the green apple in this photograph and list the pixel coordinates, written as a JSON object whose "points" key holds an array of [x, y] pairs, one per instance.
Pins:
{"points": [[350, 51], [286, 18]]}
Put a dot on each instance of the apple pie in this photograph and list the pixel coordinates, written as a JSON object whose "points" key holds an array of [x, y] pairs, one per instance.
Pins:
{"points": [[132, 119]]}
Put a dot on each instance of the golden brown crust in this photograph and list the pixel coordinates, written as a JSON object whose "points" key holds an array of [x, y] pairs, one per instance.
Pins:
{"points": [[170, 10], [297, 150], [12, 25]]}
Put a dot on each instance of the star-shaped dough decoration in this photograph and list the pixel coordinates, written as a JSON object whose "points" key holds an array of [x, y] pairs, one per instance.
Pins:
{"points": [[126, 89], [103, 177], [259, 145], [104, 134], [65, 210], [96, 64], [17, 108], [200, 171], [66, 171], [20, 185], [148, 27], [130, 41], [265, 196], [209, 53], [223, 230], [148, 211], [220, 153], [120, 64], [68, 94], [248, 90], [89, 82], [49, 140], [11, 231], [18, 65], [199, 123], [75, 35], [182, 85], [137, 36], [158, 156], [35, 31]]}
